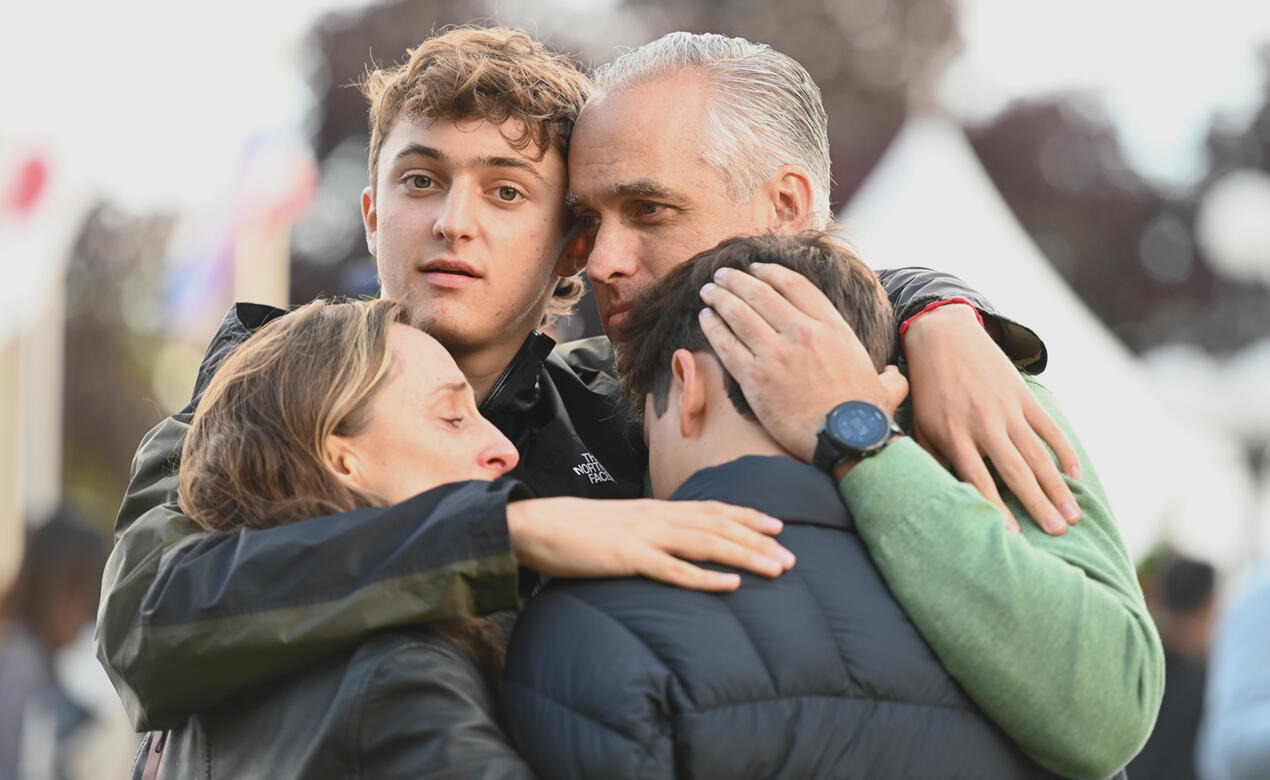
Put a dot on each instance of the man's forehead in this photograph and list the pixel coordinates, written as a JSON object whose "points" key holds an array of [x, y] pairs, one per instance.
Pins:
{"points": [[627, 145]]}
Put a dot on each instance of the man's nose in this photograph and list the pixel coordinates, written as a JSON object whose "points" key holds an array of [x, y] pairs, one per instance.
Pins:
{"points": [[457, 219], [612, 254]]}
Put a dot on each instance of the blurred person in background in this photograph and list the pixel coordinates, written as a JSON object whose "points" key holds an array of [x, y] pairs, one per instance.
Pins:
{"points": [[465, 215], [1234, 741], [284, 434], [1182, 596], [54, 596]]}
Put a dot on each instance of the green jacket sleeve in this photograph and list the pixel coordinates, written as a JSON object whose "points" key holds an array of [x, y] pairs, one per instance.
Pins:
{"points": [[1049, 635], [189, 617]]}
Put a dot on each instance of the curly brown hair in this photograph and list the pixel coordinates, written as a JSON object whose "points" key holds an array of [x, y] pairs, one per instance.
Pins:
{"points": [[497, 74]]}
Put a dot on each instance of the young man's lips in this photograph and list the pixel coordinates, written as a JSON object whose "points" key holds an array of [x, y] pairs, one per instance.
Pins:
{"points": [[448, 273], [442, 278]]}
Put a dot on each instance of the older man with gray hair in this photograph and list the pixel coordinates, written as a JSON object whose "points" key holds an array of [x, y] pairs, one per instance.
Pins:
{"points": [[692, 139]]}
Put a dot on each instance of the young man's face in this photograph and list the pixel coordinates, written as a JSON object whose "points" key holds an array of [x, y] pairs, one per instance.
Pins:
{"points": [[467, 231], [636, 171]]}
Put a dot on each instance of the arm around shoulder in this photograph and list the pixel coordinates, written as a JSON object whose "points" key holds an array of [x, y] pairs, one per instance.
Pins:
{"points": [[1048, 634], [245, 607]]}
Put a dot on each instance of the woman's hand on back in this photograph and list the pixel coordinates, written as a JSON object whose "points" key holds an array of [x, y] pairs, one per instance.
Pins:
{"points": [[579, 537]]}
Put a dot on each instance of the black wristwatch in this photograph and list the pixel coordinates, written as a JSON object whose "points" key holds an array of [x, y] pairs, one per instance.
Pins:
{"points": [[852, 430]]}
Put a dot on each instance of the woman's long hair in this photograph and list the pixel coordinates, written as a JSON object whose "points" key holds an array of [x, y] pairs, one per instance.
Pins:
{"points": [[255, 453]]}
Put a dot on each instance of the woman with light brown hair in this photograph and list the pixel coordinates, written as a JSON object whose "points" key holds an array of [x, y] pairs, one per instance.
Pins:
{"points": [[335, 407]]}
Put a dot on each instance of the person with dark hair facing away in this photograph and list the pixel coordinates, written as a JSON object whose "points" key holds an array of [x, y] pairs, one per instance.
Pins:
{"points": [[1182, 597], [816, 674], [53, 597]]}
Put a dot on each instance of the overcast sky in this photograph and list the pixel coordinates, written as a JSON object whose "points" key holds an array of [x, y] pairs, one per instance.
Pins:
{"points": [[1161, 68], [150, 101]]}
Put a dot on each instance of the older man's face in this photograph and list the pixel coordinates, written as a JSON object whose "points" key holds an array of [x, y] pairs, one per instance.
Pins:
{"points": [[637, 176]]}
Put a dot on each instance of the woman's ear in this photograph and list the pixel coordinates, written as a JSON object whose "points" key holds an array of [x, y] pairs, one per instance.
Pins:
{"points": [[344, 460]]}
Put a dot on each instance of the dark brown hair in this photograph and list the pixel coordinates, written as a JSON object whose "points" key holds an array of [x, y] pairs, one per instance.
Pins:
{"points": [[664, 318], [497, 74], [62, 563]]}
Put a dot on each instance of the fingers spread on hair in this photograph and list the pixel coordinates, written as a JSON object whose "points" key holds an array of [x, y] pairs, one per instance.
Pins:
{"points": [[746, 324], [735, 356], [797, 290], [765, 301]]}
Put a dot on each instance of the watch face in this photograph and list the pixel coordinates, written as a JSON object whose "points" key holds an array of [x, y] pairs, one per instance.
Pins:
{"points": [[859, 424]]}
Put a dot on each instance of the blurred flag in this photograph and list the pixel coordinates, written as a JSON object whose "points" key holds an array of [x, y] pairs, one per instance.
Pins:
{"points": [[40, 217], [238, 247]]}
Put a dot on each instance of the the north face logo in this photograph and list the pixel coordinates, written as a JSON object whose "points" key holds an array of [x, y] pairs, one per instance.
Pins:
{"points": [[592, 469]]}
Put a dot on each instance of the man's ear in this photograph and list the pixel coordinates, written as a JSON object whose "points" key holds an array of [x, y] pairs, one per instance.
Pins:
{"points": [[344, 460], [788, 200], [687, 379], [370, 219]]}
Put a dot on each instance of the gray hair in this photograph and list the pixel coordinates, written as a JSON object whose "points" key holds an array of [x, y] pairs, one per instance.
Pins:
{"points": [[765, 111]]}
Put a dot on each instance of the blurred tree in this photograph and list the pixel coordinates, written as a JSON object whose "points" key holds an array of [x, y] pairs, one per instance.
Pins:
{"points": [[113, 336], [1231, 146], [1125, 246]]}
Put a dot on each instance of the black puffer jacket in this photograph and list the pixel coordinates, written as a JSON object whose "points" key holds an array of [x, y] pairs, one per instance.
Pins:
{"points": [[818, 673]]}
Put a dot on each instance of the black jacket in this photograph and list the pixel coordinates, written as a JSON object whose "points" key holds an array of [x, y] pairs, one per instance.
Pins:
{"points": [[403, 704], [817, 674]]}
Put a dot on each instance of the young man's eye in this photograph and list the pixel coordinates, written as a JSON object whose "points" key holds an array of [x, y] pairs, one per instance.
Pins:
{"points": [[508, 194], [419, 182]]}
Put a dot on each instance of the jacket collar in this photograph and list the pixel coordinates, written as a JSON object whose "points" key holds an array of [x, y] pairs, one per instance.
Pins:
{"points": [[240, 322], [517, 389], [775, 485]]}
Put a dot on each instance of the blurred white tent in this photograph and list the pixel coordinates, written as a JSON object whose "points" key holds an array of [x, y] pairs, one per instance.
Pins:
{"points": [[929, 202]]}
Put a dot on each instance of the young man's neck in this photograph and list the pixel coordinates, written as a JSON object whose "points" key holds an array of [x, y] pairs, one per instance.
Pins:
{"points": [[727, 443], [484, 365], [724, 443]]}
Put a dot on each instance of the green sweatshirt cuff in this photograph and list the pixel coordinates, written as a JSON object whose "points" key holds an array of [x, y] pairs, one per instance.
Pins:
{"points": [[894, 483]]}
